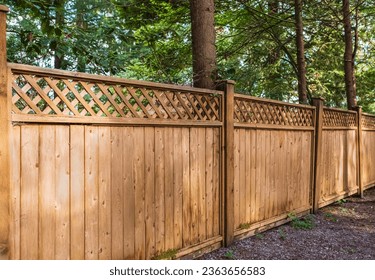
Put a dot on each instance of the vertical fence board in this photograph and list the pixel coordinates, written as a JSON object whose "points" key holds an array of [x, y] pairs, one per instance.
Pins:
{"points": [[236, 183], [159, 190], [62, 193], [105, 225], [194, 184], [77, 192], [149, 191], [216, 183], [186, 200], [209, 147], [47, 193], [169, 223], [201, 168], [117, 191], [91, 193], [139, 186], [177, 187], [128, 192], [15, 203], [242, 179], [29, 192]]}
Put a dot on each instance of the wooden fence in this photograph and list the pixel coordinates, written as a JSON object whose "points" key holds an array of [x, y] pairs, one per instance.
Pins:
{"points": [[97, 167]]}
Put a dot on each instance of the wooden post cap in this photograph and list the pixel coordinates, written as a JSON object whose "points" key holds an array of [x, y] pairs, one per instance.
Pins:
{"points": [[4, 9]]}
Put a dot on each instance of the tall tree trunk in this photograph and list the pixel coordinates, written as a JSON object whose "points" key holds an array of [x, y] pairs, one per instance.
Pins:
{"points": [[348, 57], [273, 10], [60, 21], [81, 24], [301, 65], [203, 43]]}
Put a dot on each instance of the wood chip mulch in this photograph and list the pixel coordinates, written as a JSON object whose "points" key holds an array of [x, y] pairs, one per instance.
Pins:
{"points": [[344, 230]]}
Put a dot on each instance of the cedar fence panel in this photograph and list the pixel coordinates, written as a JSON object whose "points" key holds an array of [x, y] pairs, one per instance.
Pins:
{"points": [[147, 182], [339, 155], [273, 163], [368, 153]]}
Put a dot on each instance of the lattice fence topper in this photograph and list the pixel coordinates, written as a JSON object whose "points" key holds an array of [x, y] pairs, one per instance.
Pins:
{"points": [[38, 95], [265, 112], [368, 121], [336, 118]]}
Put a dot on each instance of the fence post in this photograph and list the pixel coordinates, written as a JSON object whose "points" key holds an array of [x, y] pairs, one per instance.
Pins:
{"points": [[318, 102], [4, 141], [228, 159], [359, 151]]}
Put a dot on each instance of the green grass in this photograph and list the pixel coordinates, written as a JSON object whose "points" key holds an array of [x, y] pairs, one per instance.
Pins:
{"points": [[304, 223]]}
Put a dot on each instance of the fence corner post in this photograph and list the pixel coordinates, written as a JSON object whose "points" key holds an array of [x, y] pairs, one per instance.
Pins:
{"points": [[359, 151], [318, 102], [4, 141], [228, 159]]}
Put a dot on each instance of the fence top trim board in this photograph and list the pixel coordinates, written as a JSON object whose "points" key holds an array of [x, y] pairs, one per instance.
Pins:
{"points": [[41, 92], [57, 73]]}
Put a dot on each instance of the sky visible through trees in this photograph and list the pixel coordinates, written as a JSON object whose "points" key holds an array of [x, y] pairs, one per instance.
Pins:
{"points": [[256, 43]]}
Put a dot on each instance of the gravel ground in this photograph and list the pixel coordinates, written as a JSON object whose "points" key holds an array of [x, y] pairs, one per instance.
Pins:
{"points": [[341, 231]]}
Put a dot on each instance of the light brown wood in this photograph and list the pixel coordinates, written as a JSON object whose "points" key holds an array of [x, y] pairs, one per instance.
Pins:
{"points": [[47, 193], [118, 174], [15, 199], [91, 193], [5, 166], [177, 187], [104, 179], [150, 192], [138, 144], [359, 151], [62, 186], [159, 190], [29, 192], [127, 214], [77, 192], [318, 167], [168, 195]]}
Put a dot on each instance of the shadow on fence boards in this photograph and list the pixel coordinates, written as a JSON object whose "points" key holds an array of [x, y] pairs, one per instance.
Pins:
{"points": [[97, 167]]}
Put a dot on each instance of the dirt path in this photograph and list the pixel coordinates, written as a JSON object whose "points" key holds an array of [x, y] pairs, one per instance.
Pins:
{"points": [[342, 231]]}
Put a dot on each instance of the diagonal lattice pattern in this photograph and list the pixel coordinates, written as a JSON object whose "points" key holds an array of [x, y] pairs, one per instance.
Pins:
{"points": [[338, 118], [368, 121], [247, 110], [48, 95]]}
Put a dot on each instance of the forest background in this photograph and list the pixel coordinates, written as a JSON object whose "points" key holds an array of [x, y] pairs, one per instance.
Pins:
{"points": [[274, 49]]}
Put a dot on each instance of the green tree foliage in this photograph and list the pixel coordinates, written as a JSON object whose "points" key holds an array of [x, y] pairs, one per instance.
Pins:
{"points": [[151, 39]]}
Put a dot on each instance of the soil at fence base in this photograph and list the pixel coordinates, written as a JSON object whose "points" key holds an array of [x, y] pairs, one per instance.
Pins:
{"points": [[342, 231]]}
